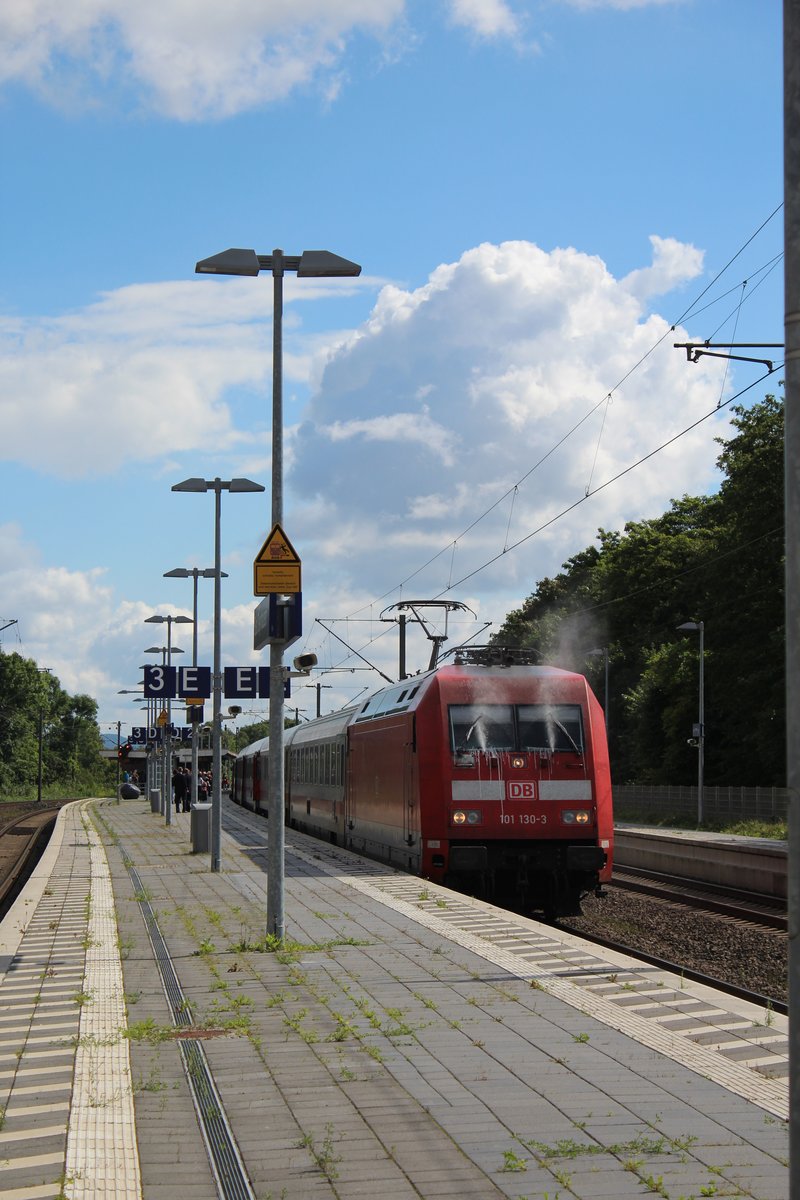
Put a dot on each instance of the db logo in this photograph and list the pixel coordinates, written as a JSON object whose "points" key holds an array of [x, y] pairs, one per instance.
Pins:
{"points": [[520, 791]]}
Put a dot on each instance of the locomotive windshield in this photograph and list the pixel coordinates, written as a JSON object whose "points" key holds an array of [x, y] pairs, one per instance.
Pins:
{"points": [[482, 727], [516, 727], [550, 727]]}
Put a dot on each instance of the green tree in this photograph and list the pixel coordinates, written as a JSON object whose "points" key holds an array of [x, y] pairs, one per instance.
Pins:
{"points": [[71, 744], [22, 695], [715, 558]]}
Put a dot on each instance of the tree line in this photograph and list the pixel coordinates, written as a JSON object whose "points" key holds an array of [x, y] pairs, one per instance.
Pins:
{"points": [[718, 559], [35, 708]]}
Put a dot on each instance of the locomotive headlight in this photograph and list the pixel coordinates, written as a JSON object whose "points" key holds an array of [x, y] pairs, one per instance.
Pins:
{"points": [[468, 816], [576, 816], [518, 760]]}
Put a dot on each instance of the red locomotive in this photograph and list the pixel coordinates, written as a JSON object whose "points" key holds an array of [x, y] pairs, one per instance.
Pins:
{"points": [[485, 775]]}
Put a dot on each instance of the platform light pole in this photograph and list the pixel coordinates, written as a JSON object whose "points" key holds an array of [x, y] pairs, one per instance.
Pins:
{"points": [[193, 573], [40, 766], [169, 650], [699, 627], [791, 190], [311, 264], [217, 486]]}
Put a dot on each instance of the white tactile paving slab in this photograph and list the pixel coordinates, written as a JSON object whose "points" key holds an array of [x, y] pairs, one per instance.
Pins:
{"points": [[102, 1158], [65, 1087]]}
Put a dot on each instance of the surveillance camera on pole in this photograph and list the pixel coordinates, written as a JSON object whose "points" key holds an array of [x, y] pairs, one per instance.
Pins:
{"points": [[304, 664]]}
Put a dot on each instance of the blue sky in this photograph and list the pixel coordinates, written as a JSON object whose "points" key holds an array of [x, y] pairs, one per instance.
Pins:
{"points": [[536, 192]]}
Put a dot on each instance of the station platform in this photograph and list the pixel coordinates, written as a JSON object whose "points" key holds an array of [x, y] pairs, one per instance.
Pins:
{"points": [[405, 1042]]}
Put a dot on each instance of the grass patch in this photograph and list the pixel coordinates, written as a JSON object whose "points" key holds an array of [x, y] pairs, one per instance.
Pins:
{"points": [[755, 827]]}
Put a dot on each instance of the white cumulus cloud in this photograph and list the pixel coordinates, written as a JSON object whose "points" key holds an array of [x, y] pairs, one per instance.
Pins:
{"points": [[141, 373], [488, 18], [205, 59], [441, 426]]}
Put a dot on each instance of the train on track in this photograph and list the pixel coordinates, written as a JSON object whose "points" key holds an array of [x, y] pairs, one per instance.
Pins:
{"points": [[483, 774]]}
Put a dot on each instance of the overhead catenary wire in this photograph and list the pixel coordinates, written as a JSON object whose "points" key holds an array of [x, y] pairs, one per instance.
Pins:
{"points": [[614, 479], [691, 311]]}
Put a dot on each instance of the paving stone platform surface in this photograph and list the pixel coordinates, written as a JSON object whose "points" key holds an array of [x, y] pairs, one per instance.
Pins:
{"points": [[404, 1042]]}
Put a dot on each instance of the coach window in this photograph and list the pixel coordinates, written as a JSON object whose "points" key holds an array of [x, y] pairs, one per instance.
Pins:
{"points": [[550, 727], [481, 727]]}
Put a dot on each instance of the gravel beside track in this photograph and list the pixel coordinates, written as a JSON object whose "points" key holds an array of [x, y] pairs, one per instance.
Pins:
{"points": [[733, 952]]}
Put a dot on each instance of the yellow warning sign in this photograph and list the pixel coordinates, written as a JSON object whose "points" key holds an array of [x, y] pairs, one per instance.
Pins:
{"points": [[162, 718], [277, 565]]}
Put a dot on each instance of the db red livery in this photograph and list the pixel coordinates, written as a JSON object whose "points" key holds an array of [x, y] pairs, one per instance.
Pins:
{"points": [[485, 775]]}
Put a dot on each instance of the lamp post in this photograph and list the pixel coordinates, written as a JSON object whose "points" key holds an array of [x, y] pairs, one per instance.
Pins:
{"points": [[699, 627], [193, 573], [149, 708], [125, 692], [217, 486], [311, 264], [39, 771], [167, 651]]}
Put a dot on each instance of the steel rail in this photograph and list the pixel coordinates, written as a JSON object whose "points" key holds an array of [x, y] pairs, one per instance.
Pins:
{"points": [[751, 907]]}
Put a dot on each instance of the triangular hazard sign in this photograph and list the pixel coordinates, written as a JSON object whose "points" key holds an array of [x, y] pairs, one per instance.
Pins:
{"points": [[277, 549]]}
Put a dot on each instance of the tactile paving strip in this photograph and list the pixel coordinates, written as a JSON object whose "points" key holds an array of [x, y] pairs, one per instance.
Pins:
{"points": [[64, 1071], [102, 1158]]}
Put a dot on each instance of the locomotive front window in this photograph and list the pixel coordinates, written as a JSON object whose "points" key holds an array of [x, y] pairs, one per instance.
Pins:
{"points": [[481, 727], [550, 727]]}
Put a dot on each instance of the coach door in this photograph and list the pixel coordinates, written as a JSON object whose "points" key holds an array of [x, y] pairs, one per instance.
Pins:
{"points": [[411, 829], [351, 754]]}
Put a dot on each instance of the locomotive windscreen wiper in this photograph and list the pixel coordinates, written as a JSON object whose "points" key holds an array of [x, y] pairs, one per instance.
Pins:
{"points": [[481, 717], [569, 737]]}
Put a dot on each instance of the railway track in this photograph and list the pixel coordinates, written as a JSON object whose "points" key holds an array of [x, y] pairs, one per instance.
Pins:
{"points": [[21, 842], [749, 907], [22, 839], [664, 964]]}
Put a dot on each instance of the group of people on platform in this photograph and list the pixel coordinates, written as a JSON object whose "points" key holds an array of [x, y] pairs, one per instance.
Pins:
{"points": [[182, 787]]}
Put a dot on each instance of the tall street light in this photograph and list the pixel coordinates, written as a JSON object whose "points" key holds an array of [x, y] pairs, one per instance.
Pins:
{"points": [[170, 650], [39, 770], [149, 706], [193, 573], [699, 627], [217, 486], [311, 264]]}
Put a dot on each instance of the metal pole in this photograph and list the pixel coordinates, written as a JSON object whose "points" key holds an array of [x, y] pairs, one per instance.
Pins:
{"points": [[275, 846], [791, 181], [193, 797], [216, 719], [119, 738], [702, 738], [168, 737], [41, 740], [401, 672]]}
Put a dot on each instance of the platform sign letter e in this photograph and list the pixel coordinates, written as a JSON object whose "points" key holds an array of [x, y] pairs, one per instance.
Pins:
{"points": [[241, 683], [520, 791]]}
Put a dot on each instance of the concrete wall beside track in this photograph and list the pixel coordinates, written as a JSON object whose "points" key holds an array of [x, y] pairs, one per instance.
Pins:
{"points": [[747, 864]]}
